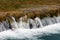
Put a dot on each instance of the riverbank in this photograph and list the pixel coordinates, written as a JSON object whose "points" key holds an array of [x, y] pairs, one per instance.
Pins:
{"points": [[43, 11]]}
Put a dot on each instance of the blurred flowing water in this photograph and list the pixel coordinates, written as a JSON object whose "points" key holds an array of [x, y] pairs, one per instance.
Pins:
{"points": [[38, 29]]}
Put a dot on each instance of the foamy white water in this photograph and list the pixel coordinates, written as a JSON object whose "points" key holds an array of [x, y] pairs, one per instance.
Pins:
{"points": [[14, 23], [57, 19], [30, 33], [38, 22], [2, 28], [32, 22], [22, 31], [22, 24]]}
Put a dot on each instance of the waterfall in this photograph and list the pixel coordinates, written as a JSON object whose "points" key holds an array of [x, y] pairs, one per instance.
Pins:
{"points": [[20, 23], [29, 24], [47, 21], [14, 23], [53, 20], [50, 21], [23, 24], [32, 29], [32, 23], [38, 22], [57, 19], [2, 27], [6, 24]]}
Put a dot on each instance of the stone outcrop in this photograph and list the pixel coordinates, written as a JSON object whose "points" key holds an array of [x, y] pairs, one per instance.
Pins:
{"points": [[32, 12]]}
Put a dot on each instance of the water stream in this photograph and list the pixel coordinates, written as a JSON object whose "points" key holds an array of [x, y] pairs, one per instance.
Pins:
{"points": [[30, 29]]}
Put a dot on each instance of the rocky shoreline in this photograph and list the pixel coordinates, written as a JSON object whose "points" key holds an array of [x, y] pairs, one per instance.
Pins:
{"points": [[41, 12]]}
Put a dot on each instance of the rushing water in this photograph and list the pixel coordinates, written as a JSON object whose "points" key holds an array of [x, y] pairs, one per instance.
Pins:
{"points": [[32, 29]]}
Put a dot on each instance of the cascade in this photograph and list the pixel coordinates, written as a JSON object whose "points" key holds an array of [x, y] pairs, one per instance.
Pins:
{"points": [[23, 24], [2, 27], [6, 24], [20, 23], [30, 23], [14, 23], [38, 22], [57, 19], [33, 29], [47, 21]]}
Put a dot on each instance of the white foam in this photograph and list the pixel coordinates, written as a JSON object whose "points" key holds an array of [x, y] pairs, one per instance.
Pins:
{"points": [[29, 33]]}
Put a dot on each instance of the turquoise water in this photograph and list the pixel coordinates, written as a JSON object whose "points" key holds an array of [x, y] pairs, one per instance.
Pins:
{"points": [[49, 37]]}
